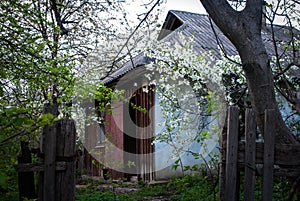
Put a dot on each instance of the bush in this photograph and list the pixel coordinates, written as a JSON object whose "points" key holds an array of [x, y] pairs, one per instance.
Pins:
{"points": [[194, 187]]}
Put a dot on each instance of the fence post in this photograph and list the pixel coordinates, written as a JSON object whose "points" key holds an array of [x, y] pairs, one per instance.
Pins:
{"points": [[222, 166], [269, 144], [250, 154], [66, 151], [231, 154], [49, 132], [46, 188]]}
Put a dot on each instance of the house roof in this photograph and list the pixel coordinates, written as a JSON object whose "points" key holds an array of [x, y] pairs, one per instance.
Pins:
{"points": [[205, 33], [139, 60]]}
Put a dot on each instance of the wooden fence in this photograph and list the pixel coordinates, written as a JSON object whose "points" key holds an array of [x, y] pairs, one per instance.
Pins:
{"points": [[255, 157], [56, 168]]}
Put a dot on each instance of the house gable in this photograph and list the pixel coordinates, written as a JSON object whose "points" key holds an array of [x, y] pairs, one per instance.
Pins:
{"points": [[171, 23]]}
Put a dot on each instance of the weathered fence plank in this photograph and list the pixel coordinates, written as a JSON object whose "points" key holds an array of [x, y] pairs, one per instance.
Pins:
{"points": [[256, 158], [25, 179], [269, 145], [222, 166], [250, 133], [66, 151], [282, 155], [38, 167], [231, 154], [48, 148], [49, 133]]}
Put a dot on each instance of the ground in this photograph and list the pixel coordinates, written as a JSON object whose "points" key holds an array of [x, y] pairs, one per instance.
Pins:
{"points": [[187, 188]]}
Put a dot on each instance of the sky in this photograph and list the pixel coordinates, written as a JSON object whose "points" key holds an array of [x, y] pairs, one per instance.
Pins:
{"points": [[193, 6]]}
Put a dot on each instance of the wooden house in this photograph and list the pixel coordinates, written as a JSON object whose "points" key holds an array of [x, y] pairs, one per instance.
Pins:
{"points": [[131, 152]]}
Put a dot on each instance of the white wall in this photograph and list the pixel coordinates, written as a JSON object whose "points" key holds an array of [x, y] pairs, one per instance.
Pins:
{"points": [[164, 153]]}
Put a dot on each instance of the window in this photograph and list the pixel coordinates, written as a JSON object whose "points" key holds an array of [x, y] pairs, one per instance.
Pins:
{"points": [[101, 133]]}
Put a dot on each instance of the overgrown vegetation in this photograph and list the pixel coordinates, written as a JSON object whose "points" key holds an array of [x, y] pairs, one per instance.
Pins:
{"points": [[188, 188], [44, 46], [40, 53]]}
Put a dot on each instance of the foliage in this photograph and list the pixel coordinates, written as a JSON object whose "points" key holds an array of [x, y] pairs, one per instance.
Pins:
{"points": [[91, 97], [121, 35], [105, 96], [190, 187], [10, 195], [8, 174], [93, 193], [281, 188], [235, 83], [270, 40], [194, 187], [30, 77], [43, 45], [156, 190], [189, 90]]}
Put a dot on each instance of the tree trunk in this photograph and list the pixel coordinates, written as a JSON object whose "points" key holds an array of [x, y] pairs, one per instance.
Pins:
{"points": [[261, 89], [243, 29]]}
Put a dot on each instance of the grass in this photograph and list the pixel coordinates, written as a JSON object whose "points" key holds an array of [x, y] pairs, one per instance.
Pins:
{"points": [[91, 193], [187, 188]]}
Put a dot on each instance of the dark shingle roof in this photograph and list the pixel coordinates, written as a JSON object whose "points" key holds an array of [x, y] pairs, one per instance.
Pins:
{"points": [[204, 31], [137, 61], [199, 25]]}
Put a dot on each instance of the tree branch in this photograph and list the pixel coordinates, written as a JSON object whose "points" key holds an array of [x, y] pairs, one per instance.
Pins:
{"points": [[131, 35], [220, 44], [54, 6], [225, 17]]}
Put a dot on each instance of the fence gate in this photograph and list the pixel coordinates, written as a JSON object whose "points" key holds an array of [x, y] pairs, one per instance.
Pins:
{"points": [[255, 157], [57, 166]]}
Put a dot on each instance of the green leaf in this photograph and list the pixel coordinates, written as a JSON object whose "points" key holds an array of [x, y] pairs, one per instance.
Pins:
{"points": [[1, 91], [3, 180], [45, 119]]}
